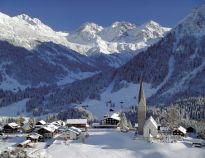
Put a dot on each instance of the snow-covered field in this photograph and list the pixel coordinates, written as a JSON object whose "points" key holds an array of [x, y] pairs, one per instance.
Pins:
{"points": [[108, 143]]}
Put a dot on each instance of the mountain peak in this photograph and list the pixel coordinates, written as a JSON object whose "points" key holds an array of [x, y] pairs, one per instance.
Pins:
{"points": [[152, 23], [194, 23], [200, 9], [123, 24], [90, 27], [30, 20]]}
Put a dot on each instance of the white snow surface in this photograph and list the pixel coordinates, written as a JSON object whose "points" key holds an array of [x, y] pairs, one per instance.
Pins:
{"points": [[114, 144]]}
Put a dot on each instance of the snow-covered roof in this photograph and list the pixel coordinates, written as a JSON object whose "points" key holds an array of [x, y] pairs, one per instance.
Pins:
{"points": [[49, 128], [42, 122], [76, 121], [13, 125], [182, 129], [76, 129], [34, 136], [115, 116], [151, 119], [25, 142], [53, 126]]}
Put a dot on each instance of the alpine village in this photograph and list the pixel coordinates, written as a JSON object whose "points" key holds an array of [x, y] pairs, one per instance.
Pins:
{"points": [[114, 91]]}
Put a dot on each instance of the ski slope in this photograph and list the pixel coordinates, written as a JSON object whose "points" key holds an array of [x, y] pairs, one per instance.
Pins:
{"points": [[127, 95]]}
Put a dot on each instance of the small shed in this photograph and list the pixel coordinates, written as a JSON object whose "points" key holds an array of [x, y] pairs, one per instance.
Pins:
{"points": [[24, 144], [150, 128], [179, 131], [11, 127], [41, 122], [34, 137], [78, 123], [46, 132]]}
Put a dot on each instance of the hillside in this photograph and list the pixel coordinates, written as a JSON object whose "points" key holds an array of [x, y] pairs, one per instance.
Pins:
{"points": [[173, 68]]}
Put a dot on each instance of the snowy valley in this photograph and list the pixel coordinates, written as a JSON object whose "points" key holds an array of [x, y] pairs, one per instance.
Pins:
{"points": [[122, 90]]}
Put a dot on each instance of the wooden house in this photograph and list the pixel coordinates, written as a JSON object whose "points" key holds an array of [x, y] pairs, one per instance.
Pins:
{"points": [[24, 144], [11, 128], [46, 132], [112, 120], [179, 131], [34, 137], [78, 123]]}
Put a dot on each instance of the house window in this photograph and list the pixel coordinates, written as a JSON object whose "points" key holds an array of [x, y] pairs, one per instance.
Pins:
{"points": [[149, 131]]}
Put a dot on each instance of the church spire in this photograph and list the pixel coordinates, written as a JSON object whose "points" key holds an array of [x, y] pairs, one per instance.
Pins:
{"points": [[141, 96], [141, 109]]}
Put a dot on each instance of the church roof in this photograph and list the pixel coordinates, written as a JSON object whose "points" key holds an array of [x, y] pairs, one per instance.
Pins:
{"points": [[151, 119]]}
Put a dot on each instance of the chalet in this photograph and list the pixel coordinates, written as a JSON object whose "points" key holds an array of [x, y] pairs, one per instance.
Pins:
{"points": [[34, 137], [112, 120], [24, 144], [150, 129], [41, 122], [78, 123], [179, 131], [46, 132], [11, 128]]}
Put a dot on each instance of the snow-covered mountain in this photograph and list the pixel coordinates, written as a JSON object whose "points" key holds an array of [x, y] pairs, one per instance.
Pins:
{"points": [[119, 37], [118, 43], [49, 64], [33, 54], [181, 72], [90, 39], [173, 68]]}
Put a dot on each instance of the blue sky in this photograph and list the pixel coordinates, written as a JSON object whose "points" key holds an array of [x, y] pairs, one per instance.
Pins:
{"points": [[67, 15]]}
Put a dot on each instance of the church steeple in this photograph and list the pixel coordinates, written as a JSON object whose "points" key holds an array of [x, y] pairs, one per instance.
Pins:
{"points": [[141, 115], [141, 96]]}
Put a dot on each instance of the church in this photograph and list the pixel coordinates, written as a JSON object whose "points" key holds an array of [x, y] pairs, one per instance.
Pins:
{"points": [[145, 127]]}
